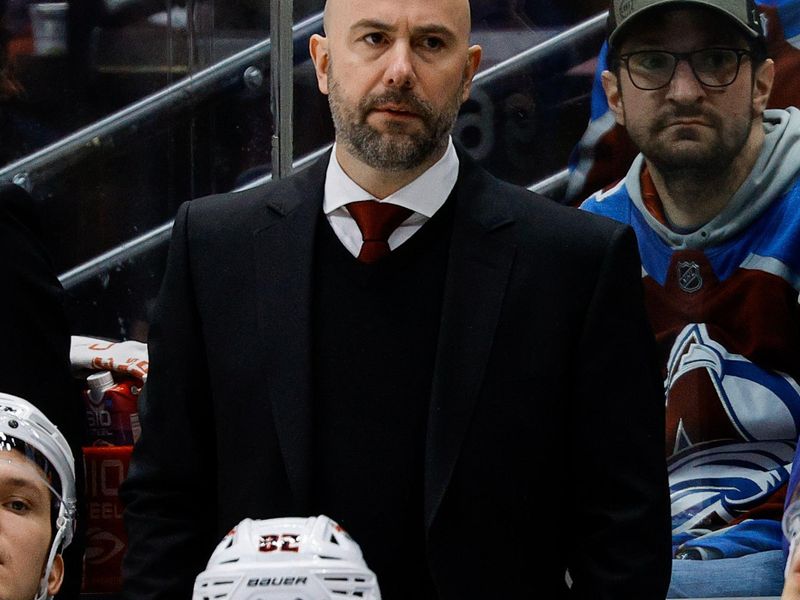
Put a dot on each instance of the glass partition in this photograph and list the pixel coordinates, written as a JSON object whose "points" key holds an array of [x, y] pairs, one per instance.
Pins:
{"points": [[161, 102], [117, 111]]}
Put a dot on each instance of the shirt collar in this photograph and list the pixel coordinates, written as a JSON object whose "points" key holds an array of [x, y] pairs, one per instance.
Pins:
{"points": [[655, 206], [425, 195], [650, 197]]}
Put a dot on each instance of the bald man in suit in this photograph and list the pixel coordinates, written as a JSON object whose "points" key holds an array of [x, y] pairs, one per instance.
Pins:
{"points": [[476, 383]]}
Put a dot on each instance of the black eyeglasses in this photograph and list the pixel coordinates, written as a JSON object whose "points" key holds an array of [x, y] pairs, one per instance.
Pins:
{"points": [[654, 69]]}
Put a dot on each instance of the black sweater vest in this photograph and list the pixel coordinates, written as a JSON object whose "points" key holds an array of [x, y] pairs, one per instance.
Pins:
{"points": [[375, 330]]}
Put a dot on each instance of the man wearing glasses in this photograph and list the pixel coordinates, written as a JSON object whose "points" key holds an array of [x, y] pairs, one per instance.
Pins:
{"points": [[715, 202]]}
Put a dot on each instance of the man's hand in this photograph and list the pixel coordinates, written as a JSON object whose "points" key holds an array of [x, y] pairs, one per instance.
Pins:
{"points": [[791, 587]]}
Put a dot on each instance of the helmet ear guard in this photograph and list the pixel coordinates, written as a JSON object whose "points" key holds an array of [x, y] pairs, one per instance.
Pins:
{"points": [[287, 559], [45, 446]]}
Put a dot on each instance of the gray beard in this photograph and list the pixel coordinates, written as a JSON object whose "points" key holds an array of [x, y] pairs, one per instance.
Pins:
{"points": [[391, 150], [395, 149]]}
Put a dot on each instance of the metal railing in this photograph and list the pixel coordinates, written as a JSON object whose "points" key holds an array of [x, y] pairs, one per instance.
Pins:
{"points": [[152, 239], [222, 77], [161, 234], [583, 35], [244, 69]]}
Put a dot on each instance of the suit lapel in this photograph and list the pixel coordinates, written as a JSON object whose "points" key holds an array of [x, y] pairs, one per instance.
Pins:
{"points": [[478, 270], [284, 248]]}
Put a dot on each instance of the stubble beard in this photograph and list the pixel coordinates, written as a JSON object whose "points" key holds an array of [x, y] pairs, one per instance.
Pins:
{"points": [[707, 160], [397, 148]]}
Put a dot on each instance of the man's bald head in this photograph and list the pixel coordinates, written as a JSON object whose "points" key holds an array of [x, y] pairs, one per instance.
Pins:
{"points": [[396, 73], [459, 8]]}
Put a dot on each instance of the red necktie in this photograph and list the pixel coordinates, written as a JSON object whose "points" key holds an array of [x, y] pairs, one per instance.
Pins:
{"points": [[376, 221]]}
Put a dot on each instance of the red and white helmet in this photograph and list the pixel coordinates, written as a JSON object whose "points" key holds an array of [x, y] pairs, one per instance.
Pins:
{"points": [[287, 559]]}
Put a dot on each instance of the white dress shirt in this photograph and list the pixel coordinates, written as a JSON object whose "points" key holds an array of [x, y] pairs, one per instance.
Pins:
{"points": [[425, 195]]}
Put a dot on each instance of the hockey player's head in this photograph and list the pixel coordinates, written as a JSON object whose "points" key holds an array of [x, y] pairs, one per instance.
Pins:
{"points": [[37, 501], [292, 558]]}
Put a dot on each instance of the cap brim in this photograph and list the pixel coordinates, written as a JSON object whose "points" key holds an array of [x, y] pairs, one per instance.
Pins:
{"points": [[635, 17]]}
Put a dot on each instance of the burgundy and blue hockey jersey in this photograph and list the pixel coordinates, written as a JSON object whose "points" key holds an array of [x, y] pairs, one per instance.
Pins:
{"points": [[723, 302]]}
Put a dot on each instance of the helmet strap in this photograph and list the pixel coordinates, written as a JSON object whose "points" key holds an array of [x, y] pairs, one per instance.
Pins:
{"points": [[62, 523]]}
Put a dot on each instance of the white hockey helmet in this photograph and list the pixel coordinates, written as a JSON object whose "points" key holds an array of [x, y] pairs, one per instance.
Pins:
{"points": [[26, 429], [287, 559]]}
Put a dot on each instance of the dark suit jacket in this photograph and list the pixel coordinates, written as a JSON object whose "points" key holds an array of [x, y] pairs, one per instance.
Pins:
{"points": [[545, 431]]}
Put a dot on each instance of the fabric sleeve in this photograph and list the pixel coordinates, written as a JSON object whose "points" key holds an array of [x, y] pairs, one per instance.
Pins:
{"points": [[170, 492], [620, 503], [34, 355]]}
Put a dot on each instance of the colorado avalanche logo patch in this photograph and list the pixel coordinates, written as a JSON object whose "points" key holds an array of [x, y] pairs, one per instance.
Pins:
{"points": [[741, 400], [713, 483], [731, 431]]}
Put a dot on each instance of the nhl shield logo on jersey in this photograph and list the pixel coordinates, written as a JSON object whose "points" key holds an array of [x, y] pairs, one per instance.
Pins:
{"points": [[625, 8], [689, 278]]}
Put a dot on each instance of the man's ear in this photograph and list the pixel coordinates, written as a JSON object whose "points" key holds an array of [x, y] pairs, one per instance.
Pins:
{"points": [[56, 576], [762, 86], [474, 54], [318, 48], [613, 96]]}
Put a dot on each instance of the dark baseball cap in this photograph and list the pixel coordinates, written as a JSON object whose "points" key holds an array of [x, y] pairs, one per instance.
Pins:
{"points": [[742, 13]]}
